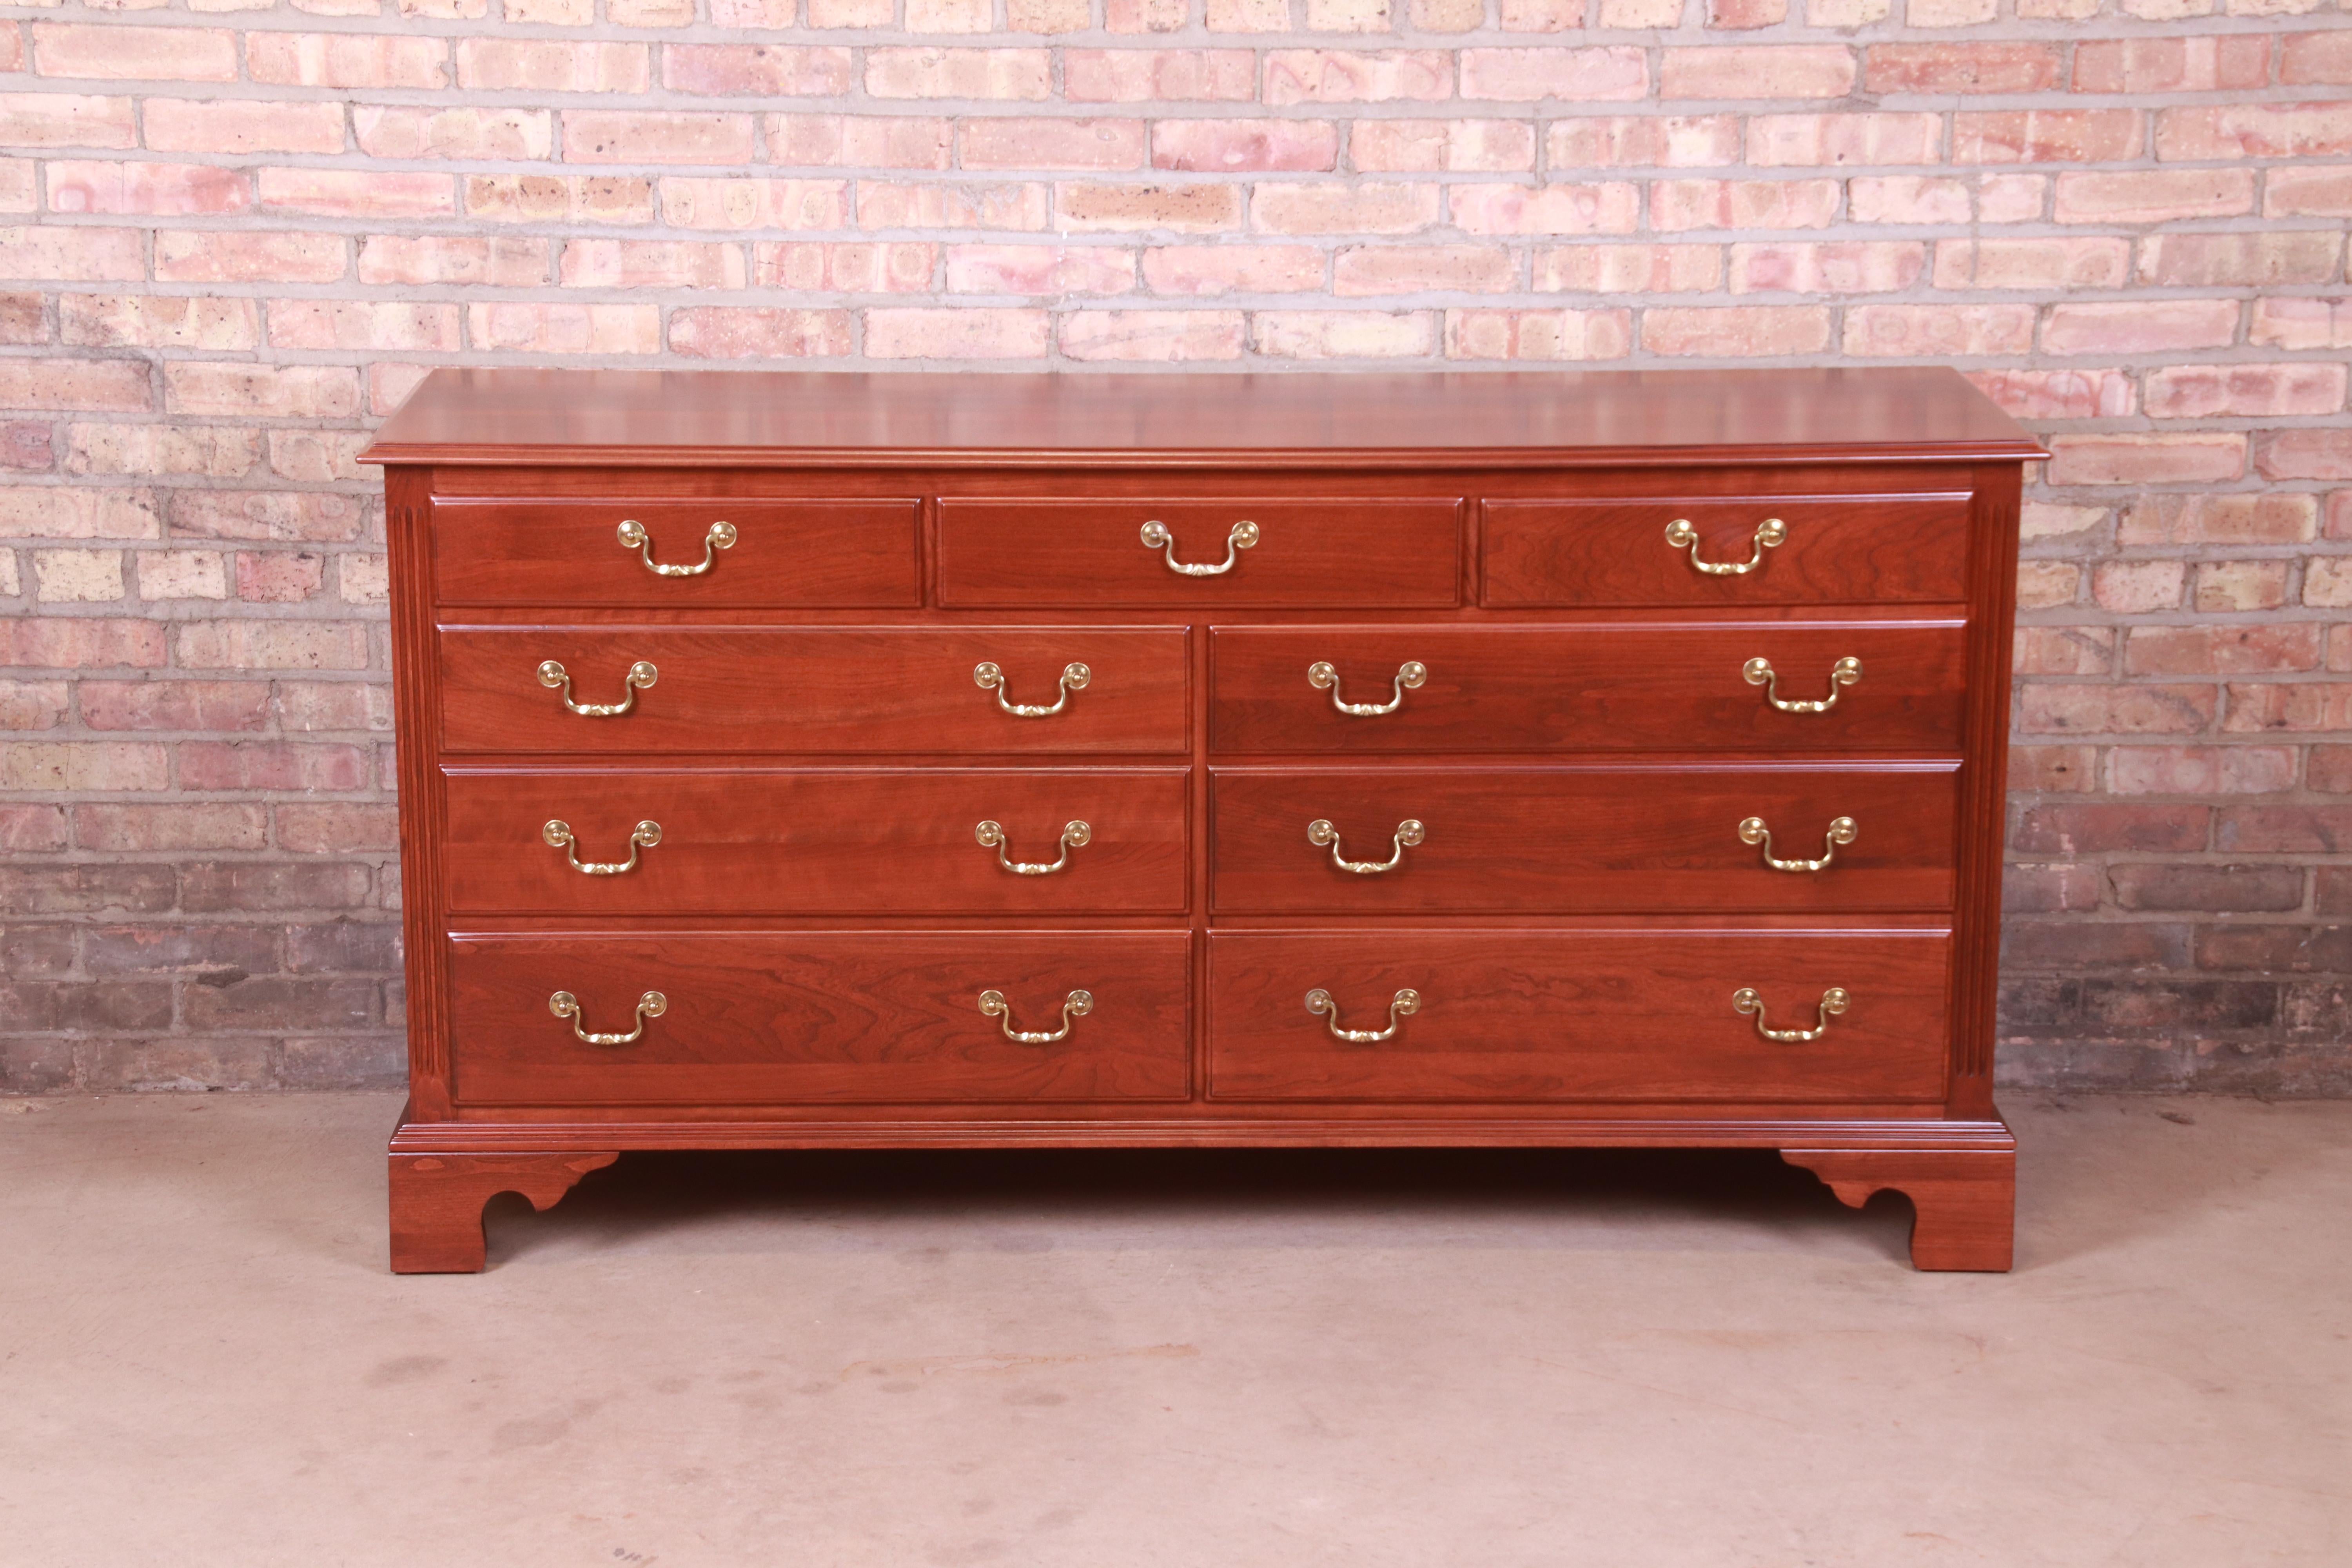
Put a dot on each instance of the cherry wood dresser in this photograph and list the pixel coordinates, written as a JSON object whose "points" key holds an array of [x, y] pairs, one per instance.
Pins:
{"points": [[916, 759]]}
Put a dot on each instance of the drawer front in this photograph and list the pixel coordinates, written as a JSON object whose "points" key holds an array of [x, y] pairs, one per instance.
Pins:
{"points": [[782, 1018], [814, 690], [1832, 550], [832, 841], [1628, 1015], [1626, 687], [810, 554], [1571, 840], [1078, 554]]}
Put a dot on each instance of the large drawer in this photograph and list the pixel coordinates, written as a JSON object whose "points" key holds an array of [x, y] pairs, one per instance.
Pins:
{"points": [[1351, 552], [1724, 552], [819, 841], [1535, 1016], [1598, 839], [1647, 687], [813, 554], [846, 1017], [814, 690]]}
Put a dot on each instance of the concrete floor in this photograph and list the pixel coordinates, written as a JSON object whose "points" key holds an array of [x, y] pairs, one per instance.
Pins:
{"points": [[1120, 1361]]}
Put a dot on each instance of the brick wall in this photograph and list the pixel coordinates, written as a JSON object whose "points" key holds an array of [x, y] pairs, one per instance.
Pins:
{"points": [[233, 233]]}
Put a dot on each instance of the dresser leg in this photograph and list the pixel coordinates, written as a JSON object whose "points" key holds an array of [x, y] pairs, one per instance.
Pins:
{"points": [[437, 1202], [1965, 1199]]}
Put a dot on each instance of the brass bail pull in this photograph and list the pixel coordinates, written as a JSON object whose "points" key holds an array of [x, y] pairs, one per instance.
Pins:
{"points": [[633, 536], [1243, 536]]}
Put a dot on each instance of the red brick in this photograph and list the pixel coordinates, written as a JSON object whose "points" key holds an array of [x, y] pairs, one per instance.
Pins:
{"points": [[1218, 146], [1739, 331], [2271, 518], [76, 642], [337, 829], [998, 206], [1835, 267], [364, 325], [1367, 270], [2285, 829], [1353, 208], [32, 704], [280, 516], [855, 267], [349, 60], [2054, 263], [57, 766], [358, 193], [1743, 14], [2049, 889], [651, 264], [1128, 209], [1847, 137], [2322, 191], [2255, 130], [2083, 829], [1671, 141], [1566, 76], [1940, 331], [549, 64], [1758, 71], [2312, 58], [401, 130], [2135, 460], [1962, 68], [27, 446], [1049, 270], [758, 332], [278, 576], [2045, 136], [276, 1002], [2203, 390], [2140, 326], [738, 204], [31, 120], [2200, 770], [151, 52], [565, 329], [1212, 269], [313, 707], [243, 125], [1025, 143], [2064, 650], [965, 333], [1344, 334], [1745, 204], [2054, 770], [2047, 709], [2154, 195], [269, 645], [272, 765], [1609, 207], [77, 254], [2301, 323], [216, 256], [2222, 649], [881, 141], [1628, 269], [1138, 76], [192, 705], [1002, 74], [1538, 334], [27, 829], [1342, 76], [182, 825], [2288, 708], [1152, 336], [2058, 393], [565, 198], [2156, 65], [650, 136], [2330, 769], [762, 70], [2307, 454]]}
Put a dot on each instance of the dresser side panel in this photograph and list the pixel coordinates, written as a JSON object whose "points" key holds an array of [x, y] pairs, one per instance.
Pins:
{"points": [[416, 719]]}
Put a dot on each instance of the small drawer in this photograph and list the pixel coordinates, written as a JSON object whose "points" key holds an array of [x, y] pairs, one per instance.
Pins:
{"points": [[1830, 549], [812, 689], [1541, 1016], [1695, 686], [1597, 839], [819, 1018], [749, 841], [705, 554], [1341, 550]]}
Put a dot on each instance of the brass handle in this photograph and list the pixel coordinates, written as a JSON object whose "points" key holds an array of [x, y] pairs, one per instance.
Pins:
{"points": [[1078, 1004], [1157, 537], [558, 834], [989, 678], [1409, 832], [1324, 677], [1404, 1004], [640, 676], [651, 1005], [1076, 835], [1758, 672], [1770, 534], [633, 537], [1833, 1000], [1841, 831]]}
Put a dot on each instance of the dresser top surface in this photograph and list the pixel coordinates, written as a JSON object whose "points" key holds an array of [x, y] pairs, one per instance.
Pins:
{"points": [[1382, 418]]}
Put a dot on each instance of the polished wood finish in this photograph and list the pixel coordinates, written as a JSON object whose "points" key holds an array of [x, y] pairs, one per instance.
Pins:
{"points": [[1839, 550], [1524, 1017], [782, 841], [822, 920], [1592, 839], [1340, 552], [1598, 687], [782, 1018], [812, 690], [813, 554], [436, 1201]]}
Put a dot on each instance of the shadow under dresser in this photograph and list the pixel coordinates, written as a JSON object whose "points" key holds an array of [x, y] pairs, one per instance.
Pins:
{"points": [[914, 760]]}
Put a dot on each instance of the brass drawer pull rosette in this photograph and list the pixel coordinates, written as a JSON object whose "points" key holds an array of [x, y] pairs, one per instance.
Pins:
{"points": [[989, 677], [634, 536], [1244, 535], [1322, 835], [558, 835], [640, 676], [1076, 835], [1078, 1004], [1325, 677], [1404, 1004], [1770, 534], [1833, 1000], [651, 1005], [1841, 831], [1760, 672]]}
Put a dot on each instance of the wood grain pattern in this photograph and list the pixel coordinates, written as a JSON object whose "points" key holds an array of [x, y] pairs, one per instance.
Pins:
{"points": [[436, 1201], [1361, 419], [1964, 1202], [746, 841], [812, 553], [416, 695], [819, 1017], [1582, 840], [1531, 1017], [1352, 551], [1839, 550], [1600, 686], [871, 689]]}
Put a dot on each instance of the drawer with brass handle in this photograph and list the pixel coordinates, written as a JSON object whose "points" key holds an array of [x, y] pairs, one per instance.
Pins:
{"points": [[1725, 550], [1805, 687], [779, 841], [735, 553], [819, 1017], [1635, 1015], [1582, 839], [616, 690], [1210, 553]]}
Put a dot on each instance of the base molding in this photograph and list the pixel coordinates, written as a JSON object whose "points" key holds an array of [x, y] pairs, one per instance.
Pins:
{"points": [[1964, 1201], [437, 1200]]}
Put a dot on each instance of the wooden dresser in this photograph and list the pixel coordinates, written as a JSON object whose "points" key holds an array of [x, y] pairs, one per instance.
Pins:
{"points": [[886, 760]]}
